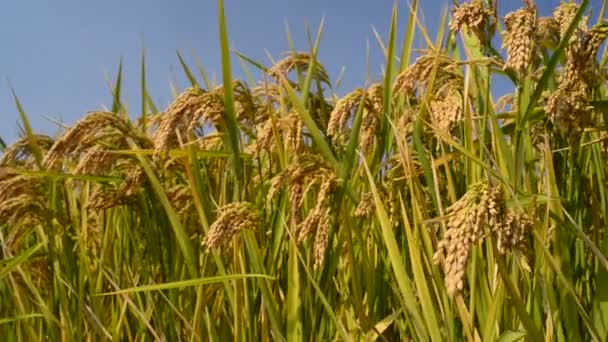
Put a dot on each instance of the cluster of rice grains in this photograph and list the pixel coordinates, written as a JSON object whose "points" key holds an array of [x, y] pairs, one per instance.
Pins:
{"points": [[20, 153], [296, 61], [569, 106], [446, 111], [22, 196], [443, 74], [349, 104], [23, 205], [307, 173], [473, 16], [281, 159], [481, 212], [519, 40], [231, 219], [387, 191], [196, 116], [22, 199]]}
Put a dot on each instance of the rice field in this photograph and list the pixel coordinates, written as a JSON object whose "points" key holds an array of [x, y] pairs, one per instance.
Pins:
{"points": [[418, 208]]}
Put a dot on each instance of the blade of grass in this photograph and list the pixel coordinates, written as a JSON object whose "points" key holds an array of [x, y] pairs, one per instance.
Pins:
{"points": [[178, 229], [552, 64], [324, 301], [293, 307], [144, 92], [229, 113], [11, 264], [184, 283], [384, 136], [317, 136], [201, 70], [20, 318], [28, 129], [381, 326], [420, 279], [408, 37], [554, 264], [116, 91], [395, 259], [313, 63], [186, 70]]}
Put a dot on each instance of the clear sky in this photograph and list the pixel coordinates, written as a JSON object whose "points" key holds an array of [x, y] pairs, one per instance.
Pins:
{"points": [[58, 54]]}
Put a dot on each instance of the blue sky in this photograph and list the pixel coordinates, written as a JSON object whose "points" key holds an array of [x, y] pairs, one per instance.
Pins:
{"points": [[58, 54]]}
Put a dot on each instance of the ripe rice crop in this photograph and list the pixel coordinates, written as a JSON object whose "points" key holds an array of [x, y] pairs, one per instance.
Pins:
{"points": [[417, 208]]}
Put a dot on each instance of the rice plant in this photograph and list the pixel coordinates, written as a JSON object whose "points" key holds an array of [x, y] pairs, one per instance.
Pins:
{"points": [[415, 208]]}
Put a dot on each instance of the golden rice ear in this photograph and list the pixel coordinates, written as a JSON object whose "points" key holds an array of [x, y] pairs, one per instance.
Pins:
{"points": [[504, 102], [548, 32], [187, 108], [231, 219], [210, 142], [264, 140], [299, 61], [405, 83], [594, 39], [22, 198], [343, 111], [475, 17], [336, 126], [568, 108], [417, 77], [375, 94], [308, 171], [134, 178], [95, 161], [245, 105], [295, 129], [322, 238], [20, 152], [520, 39], [195, 108], [369, 130], [511, 233], [180, 197], [371, 117], [366, 205], [564, 13], [93, 128], [302, 167], [322, 205], [446, 112], [269, 92], [14, 183], [482, 205]]}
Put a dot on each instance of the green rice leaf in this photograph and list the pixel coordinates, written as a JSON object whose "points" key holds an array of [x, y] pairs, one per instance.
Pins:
{"points": [[184, 283]]}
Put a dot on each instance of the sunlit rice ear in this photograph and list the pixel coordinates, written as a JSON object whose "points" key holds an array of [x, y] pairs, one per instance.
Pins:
{"points": [[299, 61], [473, 16], [95, 127], [187, 107], [231, 219], [482, 206], [21, 151], [446, 112], [340, 114], [520, 39], [417, 77]]}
